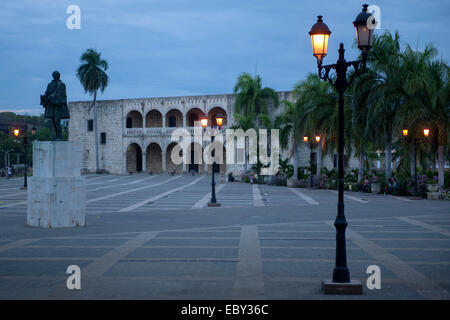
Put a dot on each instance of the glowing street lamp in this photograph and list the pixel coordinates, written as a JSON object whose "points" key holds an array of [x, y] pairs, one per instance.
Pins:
{"points": [[219, 120], [405, 132], [415, 143], [311, 145], [319, 33], [204, 122]]}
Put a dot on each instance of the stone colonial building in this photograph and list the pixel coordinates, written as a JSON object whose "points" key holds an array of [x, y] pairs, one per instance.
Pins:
{"points": [[135, 134]]}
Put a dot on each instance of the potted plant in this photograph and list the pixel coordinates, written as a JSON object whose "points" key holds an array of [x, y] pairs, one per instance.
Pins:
{"points": [[375, 186]]}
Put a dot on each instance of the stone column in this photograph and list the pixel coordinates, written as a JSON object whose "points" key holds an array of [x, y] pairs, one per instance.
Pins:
{"points": [[163, 164], [164, 121], [144, 162], [184, 120], [124, 163]]}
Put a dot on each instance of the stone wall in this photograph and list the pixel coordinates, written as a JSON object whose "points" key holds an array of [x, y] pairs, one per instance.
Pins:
{"points": [[110, 121]]}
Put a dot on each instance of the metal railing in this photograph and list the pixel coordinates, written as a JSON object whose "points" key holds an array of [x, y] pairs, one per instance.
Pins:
{"points": [[133, 132]]}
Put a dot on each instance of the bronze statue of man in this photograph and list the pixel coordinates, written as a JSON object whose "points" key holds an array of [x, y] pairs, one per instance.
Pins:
{"points": [[55, 103]]}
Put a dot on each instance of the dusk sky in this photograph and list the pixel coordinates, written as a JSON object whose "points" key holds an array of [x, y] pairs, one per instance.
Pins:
{"points": [[160, 48]]}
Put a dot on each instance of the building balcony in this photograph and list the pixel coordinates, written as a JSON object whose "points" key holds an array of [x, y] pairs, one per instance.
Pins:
{"points": [[156, 132]]}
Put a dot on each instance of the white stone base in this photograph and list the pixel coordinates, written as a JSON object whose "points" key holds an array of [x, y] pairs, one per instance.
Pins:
{"points": [[57, 191]]}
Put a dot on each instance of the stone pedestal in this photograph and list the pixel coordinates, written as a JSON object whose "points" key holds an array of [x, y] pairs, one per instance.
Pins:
{"points": [[56, 191], [352, 287]]}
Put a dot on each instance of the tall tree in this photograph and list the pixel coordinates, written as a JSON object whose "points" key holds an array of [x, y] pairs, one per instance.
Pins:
{"points": [[245, 123], [251, 97], [319, 113], [386, 93], [361, 128], [427, 91], [93, 77], [291, 130]]}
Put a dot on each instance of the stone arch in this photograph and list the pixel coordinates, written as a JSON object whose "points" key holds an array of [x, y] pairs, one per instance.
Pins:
{"points": [[194, 114], [213, 112], [154, 158], [153, 119], [134, 158], [195, 158], [134, 119], [170, 165], [174, 118]]}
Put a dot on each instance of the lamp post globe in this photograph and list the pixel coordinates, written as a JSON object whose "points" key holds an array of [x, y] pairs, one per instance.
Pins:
{"points": [[365, 24], [319, 34], [204, 122]]}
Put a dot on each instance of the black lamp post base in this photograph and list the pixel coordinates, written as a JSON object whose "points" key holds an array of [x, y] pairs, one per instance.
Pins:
{"points": [[23, 188], [210, 204], [352, 287]]}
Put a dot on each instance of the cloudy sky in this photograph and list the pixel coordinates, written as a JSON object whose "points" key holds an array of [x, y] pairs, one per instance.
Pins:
{"points": [[187, 47]]}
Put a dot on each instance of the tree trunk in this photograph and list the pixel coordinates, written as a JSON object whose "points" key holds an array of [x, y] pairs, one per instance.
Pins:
{"points": [[295, 161], [97, 168], [441, 181], [411, 162], [433, 162], [319, 160], [388, 159], [245, 156], [361, 166]]}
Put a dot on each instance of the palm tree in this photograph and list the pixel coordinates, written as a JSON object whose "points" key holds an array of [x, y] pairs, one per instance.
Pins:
{"points": [[244, 123], [93, 77], [362, 129], [319, 113], [291, 130], [251, 97], [439, 110], [426, 89], [386, 93]]}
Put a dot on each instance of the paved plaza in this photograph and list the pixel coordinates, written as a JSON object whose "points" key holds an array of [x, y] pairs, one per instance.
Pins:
{"points": [[153, 237]]}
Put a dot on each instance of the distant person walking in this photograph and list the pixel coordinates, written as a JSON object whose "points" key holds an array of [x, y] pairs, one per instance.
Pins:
{"points": [[8, 173]]}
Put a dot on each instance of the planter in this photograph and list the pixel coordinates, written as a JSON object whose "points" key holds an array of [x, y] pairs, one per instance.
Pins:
{"points": [[375, 187], [434, 196], [292, 183], [433, 188]]}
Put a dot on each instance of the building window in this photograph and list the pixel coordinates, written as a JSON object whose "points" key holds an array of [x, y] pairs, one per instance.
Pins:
{"points": [[129, 122], [90, 125], [103, 138], [172, 121]]}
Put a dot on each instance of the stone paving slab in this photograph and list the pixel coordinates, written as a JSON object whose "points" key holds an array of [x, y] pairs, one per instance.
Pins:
{"points": [[276, 246]]}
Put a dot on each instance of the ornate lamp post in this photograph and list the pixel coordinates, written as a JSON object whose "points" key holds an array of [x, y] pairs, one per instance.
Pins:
{"points": [[415, 143], [204, 122], [364, 24], [311, 145], [25, 145]]}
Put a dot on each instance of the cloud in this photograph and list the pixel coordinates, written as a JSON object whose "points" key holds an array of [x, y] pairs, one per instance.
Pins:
{"points": [[182, 47]]}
